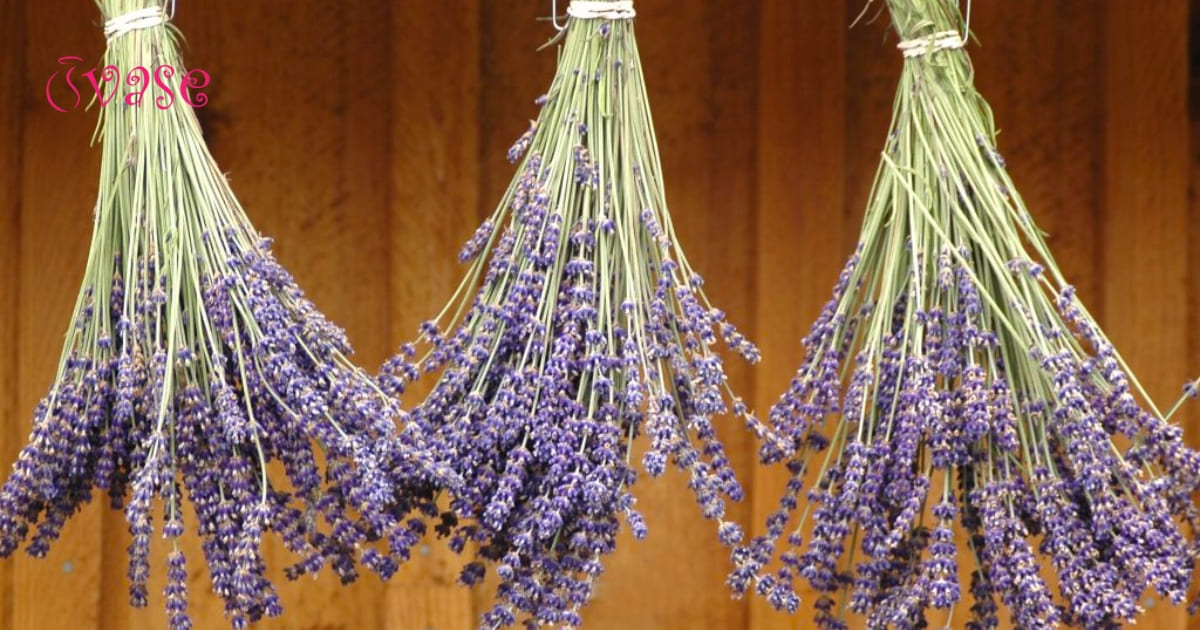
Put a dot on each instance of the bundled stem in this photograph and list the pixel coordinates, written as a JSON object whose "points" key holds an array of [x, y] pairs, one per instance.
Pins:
{"points": [[194, 369], [955, 381], [579, 326]]}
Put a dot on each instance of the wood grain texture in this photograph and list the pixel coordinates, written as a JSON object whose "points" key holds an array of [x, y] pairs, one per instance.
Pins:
{"points": [[1146, 203], [801, 217], [1191, 431], [435, 206], [512, 74], [58, 193], [724, 246], [872, 73], [12, 82], [1073, 218]]}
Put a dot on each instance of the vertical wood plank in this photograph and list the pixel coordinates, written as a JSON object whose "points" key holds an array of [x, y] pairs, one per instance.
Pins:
{"points": [[1190, 422], [724, 237], [12, 93], [513, 74], [58, 192], [1146, 196], [435, 208], [801, 223], [721, 236], [1014, 59], [1036, 66], [1075, 222], [872, 74]]}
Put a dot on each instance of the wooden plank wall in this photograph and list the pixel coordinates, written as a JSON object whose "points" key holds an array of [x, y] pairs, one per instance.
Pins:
{"points": [[12, 73], [369, 138], [57, 196]]}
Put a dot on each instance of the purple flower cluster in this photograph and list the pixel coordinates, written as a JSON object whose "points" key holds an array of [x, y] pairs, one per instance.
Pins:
{"points": [[195, 371], [144, 414], [955, 389], [1019, 447], [581, 328]]}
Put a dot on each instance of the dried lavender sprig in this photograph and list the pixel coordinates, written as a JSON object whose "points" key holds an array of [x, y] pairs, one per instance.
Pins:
{"points": [[580, 326], [955, 381], [192, 363]]}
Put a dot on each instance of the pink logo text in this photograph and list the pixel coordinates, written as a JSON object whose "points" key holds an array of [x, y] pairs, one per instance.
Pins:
{"points": [[163, 83]]}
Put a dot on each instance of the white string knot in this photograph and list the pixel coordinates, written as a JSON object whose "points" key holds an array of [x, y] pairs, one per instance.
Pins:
{"points": [[134, 21], [583, 10], [945, 40]]}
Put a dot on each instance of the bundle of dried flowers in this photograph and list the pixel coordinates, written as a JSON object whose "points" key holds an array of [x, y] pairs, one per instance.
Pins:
{"points": [[579, 327], [956, 382], [194, 370]]}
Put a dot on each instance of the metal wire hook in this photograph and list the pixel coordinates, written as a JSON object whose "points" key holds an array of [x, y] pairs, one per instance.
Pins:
{"points": [[966, 34], [553, 16], [967, 25]]}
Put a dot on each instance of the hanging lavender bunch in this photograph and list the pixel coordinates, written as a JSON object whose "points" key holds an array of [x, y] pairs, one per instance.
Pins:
{"points": [[579, 327], [195, 370], [955, 384]]}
